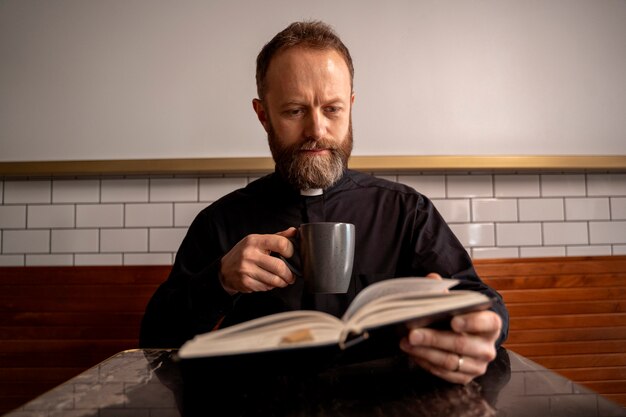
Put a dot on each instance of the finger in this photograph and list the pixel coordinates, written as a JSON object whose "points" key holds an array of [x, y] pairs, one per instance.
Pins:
{"points": [[458, 343], [269, 270], [275, 267], [486, 323], [273, 243], [445, 365], [254, 278], [434, 275], [290, 232], [257, 282], [249, 285], [446, 361]]}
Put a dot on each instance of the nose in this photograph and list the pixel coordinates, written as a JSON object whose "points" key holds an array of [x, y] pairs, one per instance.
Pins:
{"points": [[315, 127]]}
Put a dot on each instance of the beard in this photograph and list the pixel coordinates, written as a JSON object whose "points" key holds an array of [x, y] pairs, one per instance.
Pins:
{"points": [[304, 171]]}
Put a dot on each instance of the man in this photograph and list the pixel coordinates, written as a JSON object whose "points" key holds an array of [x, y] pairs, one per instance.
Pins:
{"points": [[224, 272]]}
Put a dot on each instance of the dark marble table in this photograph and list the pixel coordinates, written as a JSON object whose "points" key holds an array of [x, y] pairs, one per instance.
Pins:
{"points": [[149, 383]]}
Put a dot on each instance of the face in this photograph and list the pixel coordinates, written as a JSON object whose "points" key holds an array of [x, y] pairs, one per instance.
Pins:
{"points": [[306, 113]]}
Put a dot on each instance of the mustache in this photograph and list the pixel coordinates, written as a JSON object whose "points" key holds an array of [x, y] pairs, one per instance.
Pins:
{"points": [[314, 145]]}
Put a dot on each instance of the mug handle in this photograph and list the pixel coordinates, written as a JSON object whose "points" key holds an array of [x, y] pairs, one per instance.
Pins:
{"points": [[294, 262]]}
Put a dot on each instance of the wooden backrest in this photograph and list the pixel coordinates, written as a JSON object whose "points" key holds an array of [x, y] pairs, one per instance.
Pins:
{"points": [[56, 322], [569, 314]]}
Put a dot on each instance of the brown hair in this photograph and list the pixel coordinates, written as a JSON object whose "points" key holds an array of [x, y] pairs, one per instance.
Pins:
{"points": [[309, 34]]}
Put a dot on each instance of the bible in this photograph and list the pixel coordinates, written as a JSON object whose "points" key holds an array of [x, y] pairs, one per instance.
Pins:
{"points": [[374, 321]]}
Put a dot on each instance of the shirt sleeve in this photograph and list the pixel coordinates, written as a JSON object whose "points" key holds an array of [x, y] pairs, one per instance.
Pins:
{"points": [[192, 300], [437, 249]]}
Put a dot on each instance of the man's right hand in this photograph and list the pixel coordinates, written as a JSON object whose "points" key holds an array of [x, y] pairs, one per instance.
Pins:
{"points": [[249, 267]]}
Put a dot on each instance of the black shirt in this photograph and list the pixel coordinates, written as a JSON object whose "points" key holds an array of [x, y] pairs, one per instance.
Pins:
{"points": [[398, 233]]}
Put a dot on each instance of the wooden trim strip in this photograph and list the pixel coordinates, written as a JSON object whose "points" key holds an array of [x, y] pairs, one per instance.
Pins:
{"points": [[251, 165]]}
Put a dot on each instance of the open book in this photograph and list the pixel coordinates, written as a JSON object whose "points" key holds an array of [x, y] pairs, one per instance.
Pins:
{"points": [[398, 304]]}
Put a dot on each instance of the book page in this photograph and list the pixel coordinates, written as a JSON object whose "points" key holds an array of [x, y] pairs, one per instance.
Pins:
{"points": [[382, 289], [282, 330], [413, 306]]}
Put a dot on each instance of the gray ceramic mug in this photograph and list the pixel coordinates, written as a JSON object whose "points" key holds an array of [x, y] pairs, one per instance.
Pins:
{"points": [[324, 255]]}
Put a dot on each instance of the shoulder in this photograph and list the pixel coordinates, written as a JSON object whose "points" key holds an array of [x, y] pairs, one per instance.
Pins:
{"points": [[253, 189], [245, 196], [362, 181], [381, 189]]}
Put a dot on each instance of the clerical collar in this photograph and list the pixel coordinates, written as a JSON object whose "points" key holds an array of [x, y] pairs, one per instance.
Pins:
{"points": [[311, 192]]}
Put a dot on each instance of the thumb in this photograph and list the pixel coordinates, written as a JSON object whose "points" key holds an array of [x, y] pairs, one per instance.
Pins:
{"points": [[434, 275]]}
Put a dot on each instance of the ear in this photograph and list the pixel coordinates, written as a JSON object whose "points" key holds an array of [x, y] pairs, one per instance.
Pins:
{"points": [[261, 114]]}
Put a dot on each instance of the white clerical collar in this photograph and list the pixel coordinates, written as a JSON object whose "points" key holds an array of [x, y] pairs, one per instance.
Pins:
{"points": [[312, 192]]}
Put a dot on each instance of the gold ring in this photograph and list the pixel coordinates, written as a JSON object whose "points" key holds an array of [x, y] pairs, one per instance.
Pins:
{"points": [[458, 365]]}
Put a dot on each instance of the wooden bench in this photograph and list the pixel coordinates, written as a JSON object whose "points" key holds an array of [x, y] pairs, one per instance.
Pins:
{"points": [[56, 322], [568, 314]]}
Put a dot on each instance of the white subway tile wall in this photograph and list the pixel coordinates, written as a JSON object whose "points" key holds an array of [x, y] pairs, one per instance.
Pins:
{"points": [[562, 233], [541, 209], [173, 189], [474, 234], [166, 240], [469, 186], [147, 259], [124, 191], [29, 192], [213, 188], [606, 184], [130, 221], [149, 215], [25, 241], [453, 211], [618, 208], [90, 259], [124, 240], [494, 210], [491, 253], [99, 215], [589, 251], [607, 232], [77, 191], [542, 251], [49, 260], [587, 209], [555, 185], [184, 213], [517, 186], [434, 186], [75, 241], [12, 217], [518, 234], [50, 216], [617, 250]]}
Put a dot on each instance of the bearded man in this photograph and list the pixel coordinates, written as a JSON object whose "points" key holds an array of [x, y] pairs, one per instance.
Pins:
{"points": [[224, 272]]}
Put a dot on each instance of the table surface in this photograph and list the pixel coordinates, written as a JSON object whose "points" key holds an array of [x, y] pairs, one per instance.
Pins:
{"points": [[150, 383]]}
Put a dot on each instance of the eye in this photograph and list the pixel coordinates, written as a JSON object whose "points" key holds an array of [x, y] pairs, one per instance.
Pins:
{"points": [[294, 112], [333, 109]]}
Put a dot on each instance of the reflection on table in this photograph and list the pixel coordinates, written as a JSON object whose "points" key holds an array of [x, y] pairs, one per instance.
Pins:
{"points": [[149, 383]]}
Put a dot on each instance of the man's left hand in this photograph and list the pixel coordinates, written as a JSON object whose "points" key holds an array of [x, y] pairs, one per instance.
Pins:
{"points": [[458, 355]]}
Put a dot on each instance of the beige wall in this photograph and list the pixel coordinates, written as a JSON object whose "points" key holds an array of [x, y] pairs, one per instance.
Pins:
{"points": [[172, 79]]}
